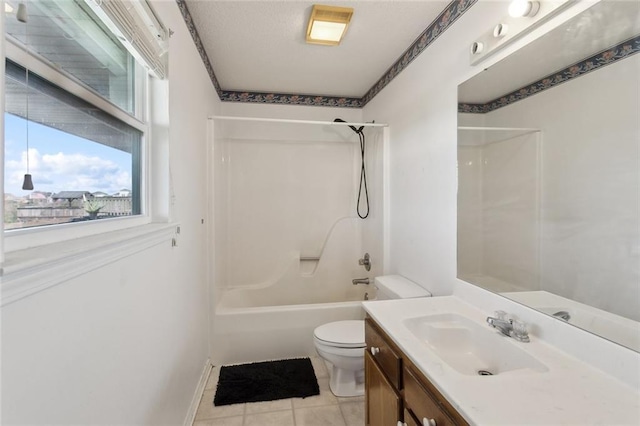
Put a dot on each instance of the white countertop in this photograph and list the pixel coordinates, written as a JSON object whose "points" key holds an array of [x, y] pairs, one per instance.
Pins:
{"points": [[571, 392]]}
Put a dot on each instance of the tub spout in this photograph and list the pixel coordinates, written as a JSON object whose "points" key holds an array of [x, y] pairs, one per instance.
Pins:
{"points": [[360, 281]]}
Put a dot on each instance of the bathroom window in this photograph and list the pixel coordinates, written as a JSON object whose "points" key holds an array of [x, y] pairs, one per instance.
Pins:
{"points": [[85, 164], [69, 35], [75, 116], [84, 83]]}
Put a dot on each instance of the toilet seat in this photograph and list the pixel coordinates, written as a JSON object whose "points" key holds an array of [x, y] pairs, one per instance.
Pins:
{"points": [[341, 334]]}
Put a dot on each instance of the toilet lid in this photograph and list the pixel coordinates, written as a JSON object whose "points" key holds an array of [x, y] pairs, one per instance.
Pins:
{"points": [[345, 334]]}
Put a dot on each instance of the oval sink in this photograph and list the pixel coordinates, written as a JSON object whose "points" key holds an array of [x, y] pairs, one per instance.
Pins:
{"points": [[469, 347]]}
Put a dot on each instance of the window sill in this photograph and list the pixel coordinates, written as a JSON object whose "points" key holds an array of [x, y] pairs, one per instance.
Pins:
{"points": [[31, 270], [38, 236]]}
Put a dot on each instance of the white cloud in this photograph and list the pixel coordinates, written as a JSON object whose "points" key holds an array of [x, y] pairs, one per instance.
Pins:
{"points": [[66, 172]]}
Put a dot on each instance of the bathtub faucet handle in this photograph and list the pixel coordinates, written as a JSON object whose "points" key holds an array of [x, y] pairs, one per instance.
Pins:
{"points": [[360, 281], [365, 261]]}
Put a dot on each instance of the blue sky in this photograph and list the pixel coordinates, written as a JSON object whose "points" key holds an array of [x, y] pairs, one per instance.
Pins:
{"points": [[60, 161]]}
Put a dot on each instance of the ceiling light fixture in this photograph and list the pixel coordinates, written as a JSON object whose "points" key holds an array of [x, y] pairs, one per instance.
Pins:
{"points": [[328, 24], [27, 183], [520, 8], [8, 8]]}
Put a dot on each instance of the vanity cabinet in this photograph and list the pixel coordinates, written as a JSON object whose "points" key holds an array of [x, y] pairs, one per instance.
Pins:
{"points": [[397, 393]]}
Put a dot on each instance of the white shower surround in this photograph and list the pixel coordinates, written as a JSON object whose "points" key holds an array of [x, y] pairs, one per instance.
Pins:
{"points": [[286, 196], [299, 281]]}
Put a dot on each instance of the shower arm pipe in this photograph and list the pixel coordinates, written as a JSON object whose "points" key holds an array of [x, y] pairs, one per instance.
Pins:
{"points": [[284, 120]]}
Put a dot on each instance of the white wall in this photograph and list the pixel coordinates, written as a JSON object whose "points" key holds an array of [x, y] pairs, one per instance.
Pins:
{"points": [[127, 343], [420, 106]]}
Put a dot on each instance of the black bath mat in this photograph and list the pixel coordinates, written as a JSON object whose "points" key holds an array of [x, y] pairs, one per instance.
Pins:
{"points": [[266, 381]]}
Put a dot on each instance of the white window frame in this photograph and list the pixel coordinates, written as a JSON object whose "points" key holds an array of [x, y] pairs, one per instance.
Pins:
{"points": [[20, 239], [35, 259]]}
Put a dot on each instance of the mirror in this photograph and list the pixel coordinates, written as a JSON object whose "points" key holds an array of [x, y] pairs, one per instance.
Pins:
{"points": [[549, 174]]}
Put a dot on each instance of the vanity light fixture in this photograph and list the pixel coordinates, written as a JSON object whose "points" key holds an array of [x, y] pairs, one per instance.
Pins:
{"points": [[512, 26], [328, 24], [522, 8]]}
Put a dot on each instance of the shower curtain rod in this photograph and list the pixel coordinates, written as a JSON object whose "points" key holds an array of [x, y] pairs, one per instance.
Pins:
{"points": [[501, 129], [284, 120]]}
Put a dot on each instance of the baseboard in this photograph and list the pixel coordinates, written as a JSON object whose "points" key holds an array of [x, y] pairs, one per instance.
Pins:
{"points": [[195, 401]]}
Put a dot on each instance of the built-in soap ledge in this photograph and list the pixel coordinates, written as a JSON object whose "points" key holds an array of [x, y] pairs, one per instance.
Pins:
{"points": [[308, 265]]}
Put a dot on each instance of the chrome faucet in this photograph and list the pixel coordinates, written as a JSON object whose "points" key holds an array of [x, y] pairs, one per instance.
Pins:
{"points": [[365, 261], [509, 327], [360, 281]]}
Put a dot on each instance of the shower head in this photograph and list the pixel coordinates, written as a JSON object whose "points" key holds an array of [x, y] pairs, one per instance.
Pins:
{"points": [[339, 120], [363, 173]]}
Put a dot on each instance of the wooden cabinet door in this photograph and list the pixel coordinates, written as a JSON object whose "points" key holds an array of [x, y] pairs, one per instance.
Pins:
{"points": [[409, 420], [383, 404]]}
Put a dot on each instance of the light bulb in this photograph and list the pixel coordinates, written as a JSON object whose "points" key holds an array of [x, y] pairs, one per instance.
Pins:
{"points": [[21, 14], [500, 30], [519, 8], [477, 47]]}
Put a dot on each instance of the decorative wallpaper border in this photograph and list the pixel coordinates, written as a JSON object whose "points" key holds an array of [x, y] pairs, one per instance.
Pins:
{"points": [[601, 59], [447, 17], [290, 99], [188, 19]]}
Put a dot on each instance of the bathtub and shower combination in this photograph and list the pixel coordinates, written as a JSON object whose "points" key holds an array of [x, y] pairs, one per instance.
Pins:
{"points": [[285, 268]]}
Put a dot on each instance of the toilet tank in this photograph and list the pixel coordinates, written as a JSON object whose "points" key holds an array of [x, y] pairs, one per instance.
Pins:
{"points": [[397, 287]]}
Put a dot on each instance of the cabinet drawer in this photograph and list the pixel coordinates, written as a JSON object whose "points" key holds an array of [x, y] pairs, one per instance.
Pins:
{"points": [[387, 359], [422, 404]]}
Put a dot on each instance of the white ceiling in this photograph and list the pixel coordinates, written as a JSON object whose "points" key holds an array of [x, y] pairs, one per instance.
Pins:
{"points": [[260, 45]]}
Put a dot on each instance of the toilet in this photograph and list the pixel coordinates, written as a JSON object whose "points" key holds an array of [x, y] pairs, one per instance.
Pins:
{"points": [[341, 343]]}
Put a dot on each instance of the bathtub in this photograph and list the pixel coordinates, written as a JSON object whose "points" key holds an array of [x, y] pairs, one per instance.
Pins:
{"points": [[249, 334], [273, 314]]}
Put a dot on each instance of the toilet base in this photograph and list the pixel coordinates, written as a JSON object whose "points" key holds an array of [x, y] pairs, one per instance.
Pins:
{"points": [[346, 383]]}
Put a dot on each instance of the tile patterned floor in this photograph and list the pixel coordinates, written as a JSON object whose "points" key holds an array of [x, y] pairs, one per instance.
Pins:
{"points": [[321, 410]]}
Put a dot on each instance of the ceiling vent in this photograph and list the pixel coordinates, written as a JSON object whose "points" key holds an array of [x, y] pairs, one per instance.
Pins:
{"points": [[328, 24]]}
